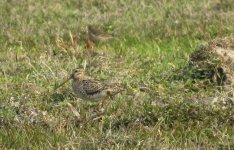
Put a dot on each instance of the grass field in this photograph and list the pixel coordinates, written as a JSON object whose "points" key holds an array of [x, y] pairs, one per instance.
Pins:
{"points": [[154, 38]]}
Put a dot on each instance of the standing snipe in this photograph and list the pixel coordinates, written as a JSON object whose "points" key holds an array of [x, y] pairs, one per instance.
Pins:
{"points": [[87, 88]]}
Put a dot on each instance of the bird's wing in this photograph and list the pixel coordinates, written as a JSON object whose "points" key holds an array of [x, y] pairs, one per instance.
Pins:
{"points": [[92, 86], [99, 32]]}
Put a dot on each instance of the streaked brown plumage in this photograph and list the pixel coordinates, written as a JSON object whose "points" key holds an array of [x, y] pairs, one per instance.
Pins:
{"points": [[87, 88], [96, 35]]}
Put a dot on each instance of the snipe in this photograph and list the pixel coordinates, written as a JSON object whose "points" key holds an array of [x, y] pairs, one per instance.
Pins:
{"points": [[90, 89]]}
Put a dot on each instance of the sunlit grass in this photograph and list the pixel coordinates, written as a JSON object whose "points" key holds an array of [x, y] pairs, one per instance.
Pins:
{"points": [[154, 39]]}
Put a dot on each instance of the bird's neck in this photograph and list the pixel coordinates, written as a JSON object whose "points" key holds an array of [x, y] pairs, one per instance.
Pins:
{"points": [[79, 78]]}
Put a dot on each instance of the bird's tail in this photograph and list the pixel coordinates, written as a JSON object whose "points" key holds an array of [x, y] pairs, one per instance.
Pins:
{"points": [[115, 89]]}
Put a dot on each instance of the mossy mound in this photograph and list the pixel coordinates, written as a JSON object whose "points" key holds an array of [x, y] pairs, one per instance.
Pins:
{"points": [[213, 62]]}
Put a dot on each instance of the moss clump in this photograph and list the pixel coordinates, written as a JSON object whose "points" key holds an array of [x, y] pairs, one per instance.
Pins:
{"points": [[203, 65]]}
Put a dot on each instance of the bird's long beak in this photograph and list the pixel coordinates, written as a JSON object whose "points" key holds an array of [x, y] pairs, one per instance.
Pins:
{"points": [[64, 81]]}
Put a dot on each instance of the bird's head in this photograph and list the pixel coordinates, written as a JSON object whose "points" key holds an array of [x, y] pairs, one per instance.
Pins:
{"points": [[77, 73]]}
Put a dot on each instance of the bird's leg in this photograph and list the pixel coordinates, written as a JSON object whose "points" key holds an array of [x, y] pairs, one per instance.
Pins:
{"points": [[101, 107], [99, 111], [104, 103], [111, 97]]}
